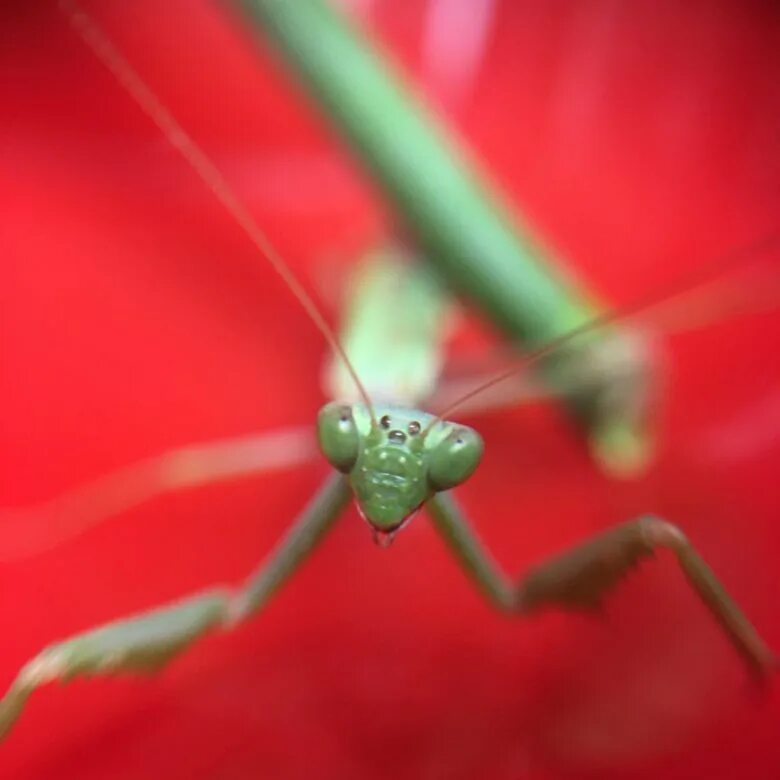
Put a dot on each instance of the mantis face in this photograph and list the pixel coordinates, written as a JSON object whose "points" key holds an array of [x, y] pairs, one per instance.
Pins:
{"points": [[396, 464]]}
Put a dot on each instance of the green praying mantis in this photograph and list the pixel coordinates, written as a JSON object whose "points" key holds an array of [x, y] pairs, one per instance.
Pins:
{"points": [[394, 459]]}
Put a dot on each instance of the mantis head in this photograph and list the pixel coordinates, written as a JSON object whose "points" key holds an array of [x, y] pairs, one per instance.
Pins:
{"points": [[396, 464]]}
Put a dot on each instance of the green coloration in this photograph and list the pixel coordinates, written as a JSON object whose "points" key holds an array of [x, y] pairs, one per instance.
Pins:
{"points": [[139, 644], [581, 577], [577, 579], [148, 641], [455, 458], [394, 460], [465, 545], [395, 466], [459, 221], [326, 506], [338, 435], [392, 326], [623, 448]]}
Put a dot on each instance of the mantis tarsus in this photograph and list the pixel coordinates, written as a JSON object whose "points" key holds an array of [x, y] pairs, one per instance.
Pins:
{"points": [[150, 641]]}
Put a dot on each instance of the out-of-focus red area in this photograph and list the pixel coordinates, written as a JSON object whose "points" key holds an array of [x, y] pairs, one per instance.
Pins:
{"points": [[641, 138]]}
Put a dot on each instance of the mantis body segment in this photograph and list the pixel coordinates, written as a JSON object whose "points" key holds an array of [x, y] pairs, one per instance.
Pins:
{"points": [[395, 460]]}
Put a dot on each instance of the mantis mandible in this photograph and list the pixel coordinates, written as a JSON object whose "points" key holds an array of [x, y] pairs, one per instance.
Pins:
{"points": [[395, 459]]}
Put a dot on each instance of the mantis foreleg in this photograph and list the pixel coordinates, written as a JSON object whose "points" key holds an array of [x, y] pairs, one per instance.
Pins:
{"points": [[580, 577], [149, 640]]}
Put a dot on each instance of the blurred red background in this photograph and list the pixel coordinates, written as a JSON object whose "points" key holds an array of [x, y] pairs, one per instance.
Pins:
{"points": [[640, 139]]}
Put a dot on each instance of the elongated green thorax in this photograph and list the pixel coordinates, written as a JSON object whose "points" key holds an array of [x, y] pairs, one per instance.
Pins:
{"points": [[461, 222], [397, 464]]}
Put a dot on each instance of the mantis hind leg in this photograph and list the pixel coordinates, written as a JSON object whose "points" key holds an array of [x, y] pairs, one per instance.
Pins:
{"points": [[31, 529], [582, 576], [146, 642]]}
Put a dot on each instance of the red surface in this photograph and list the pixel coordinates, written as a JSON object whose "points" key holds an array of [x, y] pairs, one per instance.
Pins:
{"points": [[641, 138]]}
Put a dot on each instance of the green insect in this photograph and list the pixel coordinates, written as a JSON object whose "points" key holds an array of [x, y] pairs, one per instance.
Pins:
{"points": [[395, 460]]}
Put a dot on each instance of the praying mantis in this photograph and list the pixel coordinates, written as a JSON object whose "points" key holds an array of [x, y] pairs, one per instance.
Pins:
{"points": [[153, 640]]}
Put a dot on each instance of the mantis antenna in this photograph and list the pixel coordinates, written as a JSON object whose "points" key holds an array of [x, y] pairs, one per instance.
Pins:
{"points": [[97, 40], [699, 277]]}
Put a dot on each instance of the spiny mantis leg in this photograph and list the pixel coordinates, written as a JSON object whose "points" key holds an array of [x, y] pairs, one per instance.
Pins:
{"points": [[580, 577], [146, 642]]}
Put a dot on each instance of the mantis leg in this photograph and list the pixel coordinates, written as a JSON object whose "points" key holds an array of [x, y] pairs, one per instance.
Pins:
{"points": [[146, 642], [31, 529], [580, 577]]}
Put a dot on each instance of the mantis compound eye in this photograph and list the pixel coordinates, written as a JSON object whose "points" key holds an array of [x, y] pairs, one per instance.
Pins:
{"points": [[338, 436], [453, 460]]}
